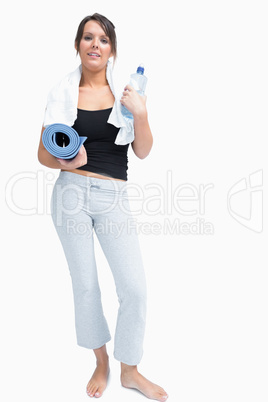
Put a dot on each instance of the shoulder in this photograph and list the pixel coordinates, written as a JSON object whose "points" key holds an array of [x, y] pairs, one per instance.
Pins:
{"points": [[70, 80]]}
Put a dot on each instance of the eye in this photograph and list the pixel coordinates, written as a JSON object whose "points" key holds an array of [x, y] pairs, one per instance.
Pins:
{"points": [[105, 41], [88, 37]]}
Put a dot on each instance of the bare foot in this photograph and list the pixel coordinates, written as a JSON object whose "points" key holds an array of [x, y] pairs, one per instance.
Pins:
{"points": [[98, 381], [131, 378]]}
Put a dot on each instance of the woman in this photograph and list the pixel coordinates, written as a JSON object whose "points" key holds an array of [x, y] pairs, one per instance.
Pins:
{"points": [[89, 193]]}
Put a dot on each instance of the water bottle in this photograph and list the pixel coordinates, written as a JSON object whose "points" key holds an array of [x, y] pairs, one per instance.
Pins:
{"points": [[138, 81]]}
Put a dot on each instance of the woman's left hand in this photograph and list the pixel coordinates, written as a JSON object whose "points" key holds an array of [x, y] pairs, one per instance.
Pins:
{"points": [[133, 101]]}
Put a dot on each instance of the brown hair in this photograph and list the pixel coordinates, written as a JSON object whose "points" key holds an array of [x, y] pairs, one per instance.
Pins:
{"points": [[106, 25]]}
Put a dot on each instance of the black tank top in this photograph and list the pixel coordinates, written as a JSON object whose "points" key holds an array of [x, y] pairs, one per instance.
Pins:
{"points": [[104, 156]]}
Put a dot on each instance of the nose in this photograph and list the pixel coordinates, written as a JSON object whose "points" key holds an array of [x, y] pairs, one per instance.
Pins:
{"points": [[95, 44]]}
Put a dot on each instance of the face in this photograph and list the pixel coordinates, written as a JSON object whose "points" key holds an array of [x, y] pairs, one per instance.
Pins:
{"points": [[95, 46]]}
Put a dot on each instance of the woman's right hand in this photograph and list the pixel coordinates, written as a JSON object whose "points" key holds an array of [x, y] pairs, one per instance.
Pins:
{"points": [[78, 161]]}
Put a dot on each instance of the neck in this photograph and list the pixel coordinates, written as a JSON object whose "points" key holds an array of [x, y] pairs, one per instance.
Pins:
{"points": [[93, 79]]}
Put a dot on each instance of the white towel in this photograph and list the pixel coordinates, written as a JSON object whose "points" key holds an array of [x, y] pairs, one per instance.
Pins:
{"points": [[62, 104]]}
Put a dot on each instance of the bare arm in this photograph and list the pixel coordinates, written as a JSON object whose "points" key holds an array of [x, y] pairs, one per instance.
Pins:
{"points": [[136, 104], [46, 159], [143, 141]]}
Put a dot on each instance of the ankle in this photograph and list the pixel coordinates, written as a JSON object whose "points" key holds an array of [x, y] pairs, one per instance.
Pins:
{"points": [[101, 355], [102, 359], [127, 370]]}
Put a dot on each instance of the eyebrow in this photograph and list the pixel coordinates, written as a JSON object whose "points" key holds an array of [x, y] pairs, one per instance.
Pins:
{"points": [[93, 34]]}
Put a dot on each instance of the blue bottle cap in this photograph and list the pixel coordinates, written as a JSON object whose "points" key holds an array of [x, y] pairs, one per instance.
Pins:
{"points": [[140, 69]]}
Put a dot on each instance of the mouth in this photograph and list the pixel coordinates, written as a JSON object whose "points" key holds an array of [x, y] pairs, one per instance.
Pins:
{"points": [[93, 54]]}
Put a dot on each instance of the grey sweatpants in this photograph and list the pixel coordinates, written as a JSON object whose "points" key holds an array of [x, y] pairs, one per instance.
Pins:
{"points": [[83, 207]]}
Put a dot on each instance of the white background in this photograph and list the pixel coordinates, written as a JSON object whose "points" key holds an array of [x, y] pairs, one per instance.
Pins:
{"points": [[206, 63]]}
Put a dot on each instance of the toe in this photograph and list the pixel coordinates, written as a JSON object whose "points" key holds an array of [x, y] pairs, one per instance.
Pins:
{"points": [[99, 392], [91, 389], [164, 398]]}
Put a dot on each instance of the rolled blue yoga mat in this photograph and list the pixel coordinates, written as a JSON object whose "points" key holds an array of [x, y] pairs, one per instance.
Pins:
{"points": [[62, 141]]}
